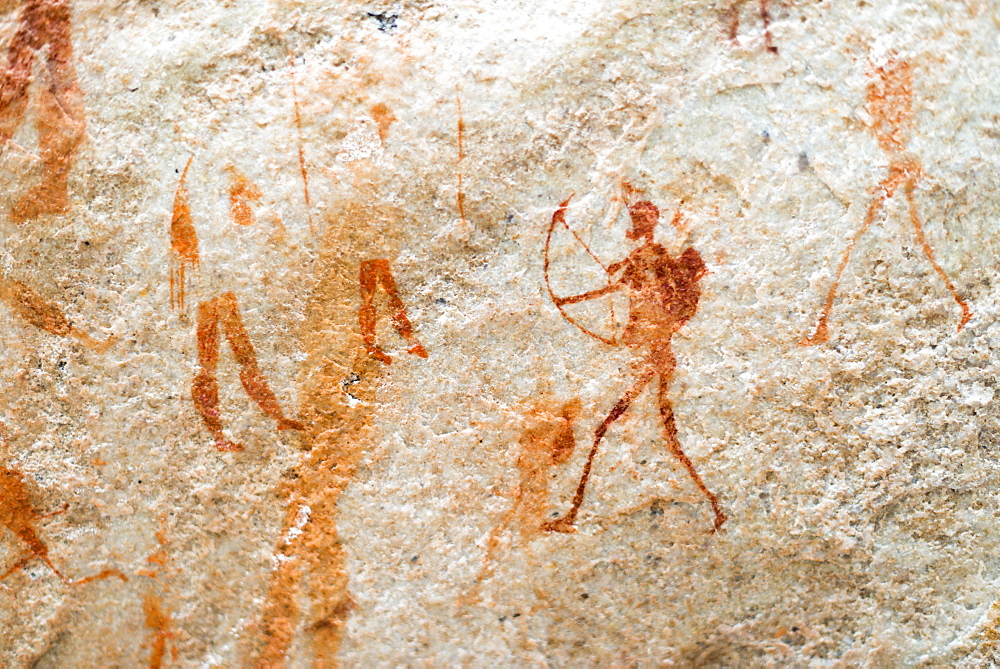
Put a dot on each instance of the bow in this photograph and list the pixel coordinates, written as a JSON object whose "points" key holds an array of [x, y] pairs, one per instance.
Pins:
{"points": [[560, 217]]}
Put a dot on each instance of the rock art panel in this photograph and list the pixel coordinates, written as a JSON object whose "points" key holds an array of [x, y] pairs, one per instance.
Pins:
{"points": [[490, 311]]}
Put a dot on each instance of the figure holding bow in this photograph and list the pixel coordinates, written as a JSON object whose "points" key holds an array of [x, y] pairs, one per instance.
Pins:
{"points": [[663, 295]]}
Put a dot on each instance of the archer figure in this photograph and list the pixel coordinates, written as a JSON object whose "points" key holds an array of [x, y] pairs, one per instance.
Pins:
{"points": [[663, 295], [890, 102], [43, 33]]}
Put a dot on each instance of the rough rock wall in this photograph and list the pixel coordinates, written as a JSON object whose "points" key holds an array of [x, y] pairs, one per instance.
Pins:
{"points": [[359, 437]]}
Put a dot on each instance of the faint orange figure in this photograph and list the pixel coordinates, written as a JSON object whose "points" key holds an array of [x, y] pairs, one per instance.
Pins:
{"points": [[19, 516], [663, 295], [242, 191], [460, 196], [377, 274], [183, 243], [890, 102], [223, 311], [547, 441], [384, 117], [732, 19], [31, 307], [157, 617], [43, 32]]}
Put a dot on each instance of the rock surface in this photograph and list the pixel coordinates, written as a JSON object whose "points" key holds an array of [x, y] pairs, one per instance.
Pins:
{"points": [[289, 376]]}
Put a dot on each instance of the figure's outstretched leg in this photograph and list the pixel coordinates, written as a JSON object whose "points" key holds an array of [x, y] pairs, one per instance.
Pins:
{"points": [[17, 565], [37, 549], [103, 574], [366, 314], [57, 512], [822, 333], [205, 387], [565, 524], [253, 380], [95, 345], [472, 595], [929, 252], [59, 137], [398, 310], [107, 573], [674, 445], [34, 309]]}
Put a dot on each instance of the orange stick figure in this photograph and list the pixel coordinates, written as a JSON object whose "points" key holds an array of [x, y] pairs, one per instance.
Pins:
{"points": [[223, 311], [19, 516], [43, 31], [663, 295], [242, 191], [159, 622], [377, 274], [890, 102]]}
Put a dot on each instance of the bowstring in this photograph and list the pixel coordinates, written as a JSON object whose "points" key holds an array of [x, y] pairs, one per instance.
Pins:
{"points": [[607, 272]]}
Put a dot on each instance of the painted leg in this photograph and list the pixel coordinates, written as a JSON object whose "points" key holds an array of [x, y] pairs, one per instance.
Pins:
{"points": [[60, 122], [822, 333], [14, 81], [765, 17], [398, 310], [254, 383], [59, 137], [929, 252], [367, 316], [100, 576], [674, 445], [205, 387], [566, 523], [731, 19], [20, 563]]}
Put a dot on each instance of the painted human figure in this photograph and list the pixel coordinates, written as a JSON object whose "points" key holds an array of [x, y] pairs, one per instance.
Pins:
{"points": [[663, 295], [546, 441], [890, 102], [43, 32], [220, 313]]}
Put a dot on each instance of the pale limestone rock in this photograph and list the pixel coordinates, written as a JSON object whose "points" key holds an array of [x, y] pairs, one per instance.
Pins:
{"points": [[404, 525]]}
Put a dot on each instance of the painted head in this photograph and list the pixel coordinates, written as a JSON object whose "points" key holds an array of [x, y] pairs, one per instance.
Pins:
{"points": [[645, 216]]}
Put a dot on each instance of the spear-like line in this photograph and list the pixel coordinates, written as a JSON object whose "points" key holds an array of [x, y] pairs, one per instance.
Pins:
{"points": [[302, 154]]}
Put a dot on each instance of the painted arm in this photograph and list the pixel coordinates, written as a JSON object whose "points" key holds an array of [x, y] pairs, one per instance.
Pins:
{"points": [[600, 292], [589, 295]]}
